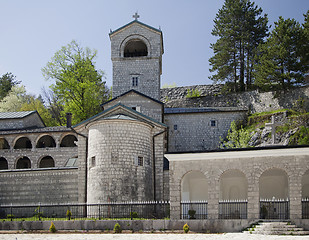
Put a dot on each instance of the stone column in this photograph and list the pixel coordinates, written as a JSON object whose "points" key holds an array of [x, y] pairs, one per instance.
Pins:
{"points": [[82, 169], [213, 199], [295, 196], [175, 192], [253, 198]]}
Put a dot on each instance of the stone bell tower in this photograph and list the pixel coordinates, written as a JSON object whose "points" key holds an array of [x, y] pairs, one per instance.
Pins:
{"points": [[136, 52]]}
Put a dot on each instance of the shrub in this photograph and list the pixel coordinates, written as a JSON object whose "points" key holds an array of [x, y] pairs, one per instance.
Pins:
{"points": [[117, 228], [186, 228], [133, 215], [69, 214], [10, 216], [38, 213], [193, 93], [52, 228], [192, 214]]}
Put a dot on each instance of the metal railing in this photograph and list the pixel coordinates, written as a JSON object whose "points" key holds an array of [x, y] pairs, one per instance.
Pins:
{"points": [[305, 208], [233, 209], [274, 209], [111, 210], [193, 209]]}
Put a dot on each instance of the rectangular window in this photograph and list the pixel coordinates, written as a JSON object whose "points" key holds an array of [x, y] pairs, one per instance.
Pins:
{"points": [[140, 161], [175, 127], [93, 161], [213, 123], [134, 81]]}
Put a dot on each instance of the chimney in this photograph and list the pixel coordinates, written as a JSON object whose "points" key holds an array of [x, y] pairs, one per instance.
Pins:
{"points": [[69, 119]]}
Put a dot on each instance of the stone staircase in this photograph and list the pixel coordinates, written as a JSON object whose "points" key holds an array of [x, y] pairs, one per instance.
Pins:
{"points": [[276, 228]]}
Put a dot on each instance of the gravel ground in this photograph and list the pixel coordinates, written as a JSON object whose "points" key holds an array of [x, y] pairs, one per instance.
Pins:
{"points": [[89, 236]]}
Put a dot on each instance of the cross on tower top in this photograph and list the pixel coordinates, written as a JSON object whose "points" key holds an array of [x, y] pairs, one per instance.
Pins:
{"points": [[136, 16]]}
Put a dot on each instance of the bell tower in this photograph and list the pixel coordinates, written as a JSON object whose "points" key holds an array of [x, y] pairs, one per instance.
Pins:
{"points": [[136, 52]]}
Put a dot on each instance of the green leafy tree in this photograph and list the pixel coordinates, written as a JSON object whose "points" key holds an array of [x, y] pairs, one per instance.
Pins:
{"points": [[237, 137], [240, 28], [7, 81], [32, 103], [13, 101], [78, 85], [18, 100], [280, 64]]}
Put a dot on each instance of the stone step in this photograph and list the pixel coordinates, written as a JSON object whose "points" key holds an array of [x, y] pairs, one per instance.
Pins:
{"points": [[277, 228], [296, 233]]}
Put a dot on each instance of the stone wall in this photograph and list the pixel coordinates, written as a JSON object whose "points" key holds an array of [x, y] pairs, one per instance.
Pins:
{"points": [[293, 162], [254, 100], [202, 226], [168, 94], [193, 131], [53, 185]]}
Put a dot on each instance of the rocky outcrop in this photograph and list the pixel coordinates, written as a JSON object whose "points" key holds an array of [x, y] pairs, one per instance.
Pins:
{"points": [[255, 101]]}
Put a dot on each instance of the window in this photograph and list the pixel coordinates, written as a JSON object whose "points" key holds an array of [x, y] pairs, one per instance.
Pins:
{"points": [[138, 109], [134, 81], [93, 161], [213, 123], [175, 127], [140, 161]]}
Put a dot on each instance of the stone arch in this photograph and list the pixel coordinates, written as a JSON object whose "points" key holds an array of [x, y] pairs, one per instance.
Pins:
{"points": [[132, 43], [305, 185], [194, 186], [274, 184], [4, 144], [233, 185], [3, 163], [46, 162], [68, 141], [23, 163], [46, 141], [23, 143]]}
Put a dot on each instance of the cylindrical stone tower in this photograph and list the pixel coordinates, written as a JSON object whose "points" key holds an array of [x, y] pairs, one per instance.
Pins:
{"points": [[119, 160]]}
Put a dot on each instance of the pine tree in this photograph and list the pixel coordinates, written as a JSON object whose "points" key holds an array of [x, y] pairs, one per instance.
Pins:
{"points": [[279, 64], [240, 28]]}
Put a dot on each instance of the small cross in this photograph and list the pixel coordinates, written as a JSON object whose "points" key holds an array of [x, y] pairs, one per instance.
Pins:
{"points": [[136, 16]]}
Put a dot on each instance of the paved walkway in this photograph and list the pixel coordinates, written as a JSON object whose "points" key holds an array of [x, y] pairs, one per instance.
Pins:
{"points": [[227, 236]]}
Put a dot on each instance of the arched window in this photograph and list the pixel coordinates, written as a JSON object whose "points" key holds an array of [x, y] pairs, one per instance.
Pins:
{"points": [[46, 142], [194, 187], [135, 48], [23, 163], [68, 141], [3, 163], [4, 144], [233, 185], [22, 143], [47, 162], [274, 194], [233, 195]]}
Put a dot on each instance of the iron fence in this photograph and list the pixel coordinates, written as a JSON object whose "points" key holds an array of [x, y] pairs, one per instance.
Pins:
{"points": [[194, 209], [233, 209], [305, 208], [111, 210], [274, 209]]}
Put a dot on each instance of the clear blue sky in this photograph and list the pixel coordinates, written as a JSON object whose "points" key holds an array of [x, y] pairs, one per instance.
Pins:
{"points": [[33, 30]]}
